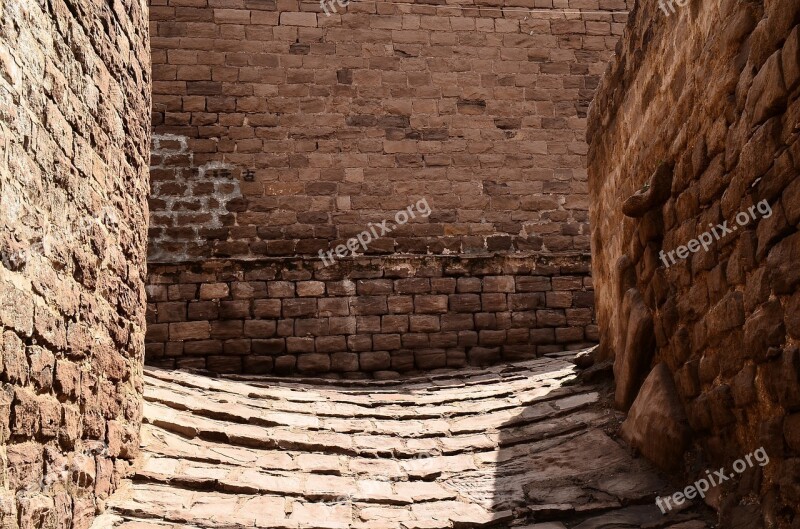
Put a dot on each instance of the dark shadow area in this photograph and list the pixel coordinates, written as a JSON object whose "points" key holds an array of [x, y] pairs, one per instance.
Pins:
{"points": [[561, 465]]}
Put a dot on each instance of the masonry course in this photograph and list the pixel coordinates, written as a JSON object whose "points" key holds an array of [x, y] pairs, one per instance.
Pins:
{"points": [[74, 142], [708, 98], [280, 133], [367, 316]]}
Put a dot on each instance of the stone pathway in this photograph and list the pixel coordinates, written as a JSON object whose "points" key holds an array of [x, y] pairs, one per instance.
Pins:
{"points": [[513, 445]]}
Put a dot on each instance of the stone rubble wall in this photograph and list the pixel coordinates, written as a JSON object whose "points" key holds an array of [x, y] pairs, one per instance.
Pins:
{"points": [[378, 316], [74, 142], [710, 95]]}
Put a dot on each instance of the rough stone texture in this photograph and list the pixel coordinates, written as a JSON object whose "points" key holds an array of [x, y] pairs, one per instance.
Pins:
{"points": [[713, 90], [366, 316], [656, 424], [280, 131], [507, 446], [74, 98]]}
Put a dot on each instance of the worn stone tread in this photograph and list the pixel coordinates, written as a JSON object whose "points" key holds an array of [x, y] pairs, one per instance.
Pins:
{"points": [[501, 447]]}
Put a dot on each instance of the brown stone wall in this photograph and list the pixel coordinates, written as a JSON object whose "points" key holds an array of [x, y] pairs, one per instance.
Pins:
{"points": [[280, 131], [74, 97], [376, 316], [711, 89]]}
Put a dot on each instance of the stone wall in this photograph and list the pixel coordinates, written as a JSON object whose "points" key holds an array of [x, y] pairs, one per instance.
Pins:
{"points": [[281, 132], [378, 316], [695, 125], [74, 97]]}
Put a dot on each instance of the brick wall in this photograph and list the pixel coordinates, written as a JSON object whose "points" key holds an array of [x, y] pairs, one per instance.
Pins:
{"points": [[372, 315], [713, 90], [74, 96], [281, 133]]}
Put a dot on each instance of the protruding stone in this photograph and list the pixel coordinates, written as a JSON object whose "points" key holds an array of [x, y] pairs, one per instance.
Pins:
{"points": [[656, 423]]}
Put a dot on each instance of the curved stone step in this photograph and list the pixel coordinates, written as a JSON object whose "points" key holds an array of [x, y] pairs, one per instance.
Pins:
{"points": [[495, 447]]}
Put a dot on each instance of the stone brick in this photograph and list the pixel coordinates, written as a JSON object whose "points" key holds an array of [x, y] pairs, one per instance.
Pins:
{"points": [[15, 363], [330, 344], [424, 323], [296, 344], [171, 311], [272, 346], [443, 285], [359, 342], [416, 285], [345, 325], [311, 327], [525, 301], [310, 288], [550, 318], [214, 290], [533, 284], [42, 365], [298, 19], [374, 361], [468, 285], [569, 334], [281, 289], [498, 284], [314, 363], [333, 307], [464, 302], [267, 308], [493, 302], [257, 365], [394, 323], [368, 324], [202, 310], [370, 305], [388, 342], [224, 364], [67, 378], [374, 287], [238, 309], [203, 347], [430, 358], [400, 304], [248, 290], [341, 288], [434, 304], [344, 362], [558, 300], [260, 328], [294, 308], [223, 330], [194, 330]]}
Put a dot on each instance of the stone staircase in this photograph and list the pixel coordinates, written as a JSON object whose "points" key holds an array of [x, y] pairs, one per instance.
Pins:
{"points": [[515, 445]]}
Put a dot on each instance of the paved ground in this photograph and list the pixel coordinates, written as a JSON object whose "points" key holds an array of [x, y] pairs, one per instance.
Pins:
{"points": [[508, 446]]}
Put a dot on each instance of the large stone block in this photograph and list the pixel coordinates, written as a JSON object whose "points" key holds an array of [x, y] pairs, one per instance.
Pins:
{"points": [[656, 423]]}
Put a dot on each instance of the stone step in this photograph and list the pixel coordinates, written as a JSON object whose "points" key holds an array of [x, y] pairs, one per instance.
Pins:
{"points": [[498, 447]]}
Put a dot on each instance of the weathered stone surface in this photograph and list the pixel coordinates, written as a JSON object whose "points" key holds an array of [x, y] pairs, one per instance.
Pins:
{"points": [[375, 454], [656, 424], [74, 155], [487, 319], [631, 363], [653, 195], [715, 264]]}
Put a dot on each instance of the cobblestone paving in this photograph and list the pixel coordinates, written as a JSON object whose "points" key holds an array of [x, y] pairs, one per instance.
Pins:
{"points": [[508, 446]]}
